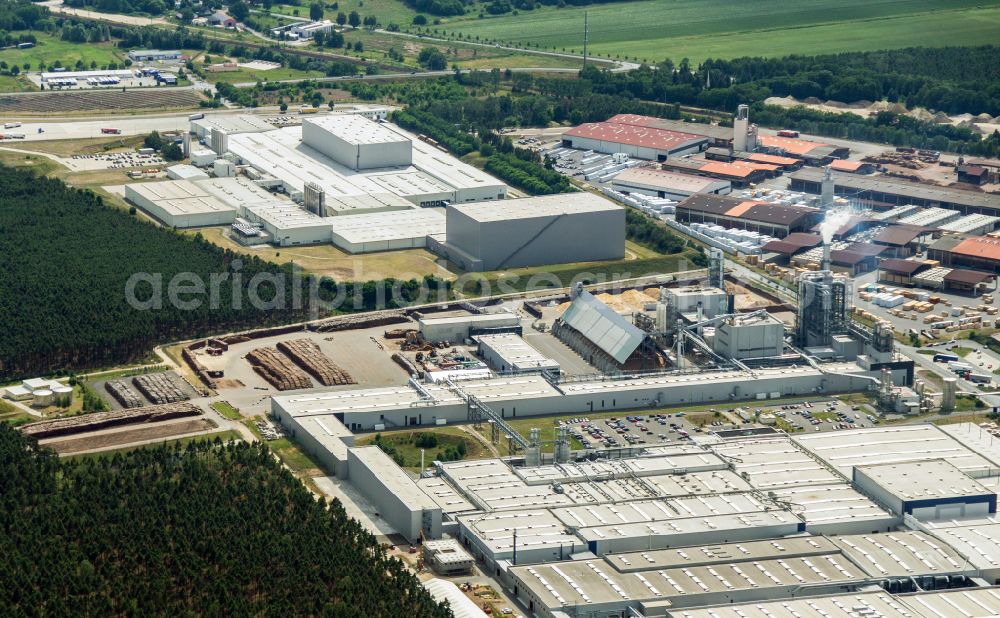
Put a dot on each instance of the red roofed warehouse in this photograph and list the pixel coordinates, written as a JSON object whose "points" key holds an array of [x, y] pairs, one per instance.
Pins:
{"points": [[641, 142]]}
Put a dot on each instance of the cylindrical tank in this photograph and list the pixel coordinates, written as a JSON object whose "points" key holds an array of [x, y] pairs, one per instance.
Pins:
{"points": [[948, 394], [62, 395], [42, 397]]}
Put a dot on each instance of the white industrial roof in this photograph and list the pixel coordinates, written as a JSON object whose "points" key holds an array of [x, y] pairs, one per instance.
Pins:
{"points": [[179, 197], [826, 505], [446, 167], [902, 554], [372, 399], [441, 492], [963, 603], [976, 439], [239, 192], [970, 223], [977, 539], [660, 180], [515, 352], [921, 480], [650, 511], [931, 216], [233, 124], [433, 176], [862, 604], [535, 528], [600, 324], [393, 225], [845, 449], [85, 74], [595, 582], [461, 606], [184, 171], [354, 129], [540, 206], [774, 463], [329, 432], [670, 460], [285, 216]]}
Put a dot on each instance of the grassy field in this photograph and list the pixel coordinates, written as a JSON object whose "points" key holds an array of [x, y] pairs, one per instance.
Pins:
{"points": [[698, 29], [253, 75], [51, 48], [387, 11], [227, 410], [404, 443], [331, 261]]}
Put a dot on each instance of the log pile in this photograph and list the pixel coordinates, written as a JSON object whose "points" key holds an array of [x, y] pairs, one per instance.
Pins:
{"points": [[103, 420], [159, 388], [278, 370], [123, 393], [307, 355]]}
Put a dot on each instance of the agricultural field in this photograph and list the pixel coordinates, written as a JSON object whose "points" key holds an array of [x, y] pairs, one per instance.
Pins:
{"points": [[699, 29]]}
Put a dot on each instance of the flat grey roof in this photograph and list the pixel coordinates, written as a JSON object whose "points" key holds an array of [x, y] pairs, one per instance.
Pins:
{"points": [[394, 397], [660, 180], [922, 480], [540, 206], [516, 352], [391, 225], [901, 188], [535, 528]]}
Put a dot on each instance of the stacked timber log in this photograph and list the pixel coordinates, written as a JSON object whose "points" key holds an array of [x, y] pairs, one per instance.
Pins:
{"points": [[103, 420], [159, 388], [123, 393], [278, 370], [307, 355]]}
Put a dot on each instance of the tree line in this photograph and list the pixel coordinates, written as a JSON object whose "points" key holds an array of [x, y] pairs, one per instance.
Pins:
{"points": [[205, 529]]}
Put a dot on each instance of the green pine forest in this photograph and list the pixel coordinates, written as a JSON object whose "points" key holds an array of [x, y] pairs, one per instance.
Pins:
{"points": [[207, 529], [66, 259]]}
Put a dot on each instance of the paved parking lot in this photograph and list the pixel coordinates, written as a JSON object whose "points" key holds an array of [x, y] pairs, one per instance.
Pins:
{"points": [[662, 427]]}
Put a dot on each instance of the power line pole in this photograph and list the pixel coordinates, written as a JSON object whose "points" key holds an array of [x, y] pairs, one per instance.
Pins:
{"points": [[586, 36]]}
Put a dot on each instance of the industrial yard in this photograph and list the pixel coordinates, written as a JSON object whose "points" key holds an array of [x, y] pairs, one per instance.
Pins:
{"points": [[750, 432]]}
